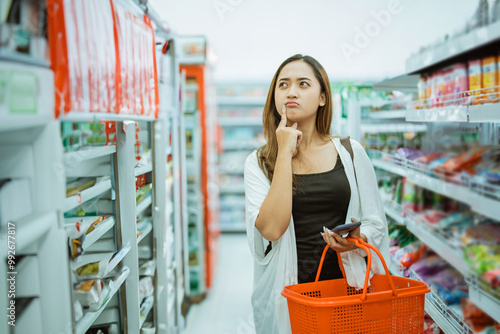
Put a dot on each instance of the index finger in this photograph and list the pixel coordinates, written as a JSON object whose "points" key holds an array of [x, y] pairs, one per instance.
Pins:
{"points": [[283, 117]]}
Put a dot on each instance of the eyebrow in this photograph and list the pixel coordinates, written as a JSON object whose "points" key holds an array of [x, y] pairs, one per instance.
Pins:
{"points": [[299, 79]]}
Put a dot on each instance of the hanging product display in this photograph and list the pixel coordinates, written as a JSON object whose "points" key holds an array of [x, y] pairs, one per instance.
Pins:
{"points": [[103, 58]]}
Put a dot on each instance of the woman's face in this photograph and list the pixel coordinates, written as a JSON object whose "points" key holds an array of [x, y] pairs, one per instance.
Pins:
{"points": [[298, 89]]}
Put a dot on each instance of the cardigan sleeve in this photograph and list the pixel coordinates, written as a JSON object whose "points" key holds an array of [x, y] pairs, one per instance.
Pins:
{"points": [[256, 189], [373, 219]]}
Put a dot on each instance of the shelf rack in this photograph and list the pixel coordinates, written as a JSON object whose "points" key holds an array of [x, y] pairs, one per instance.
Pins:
{"points": [[99, 188], [479, 202], [109, 291], [450, 50], [482, 299]]}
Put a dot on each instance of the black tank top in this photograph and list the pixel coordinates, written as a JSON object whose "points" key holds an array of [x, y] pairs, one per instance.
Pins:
{"points": [[321, 199]]}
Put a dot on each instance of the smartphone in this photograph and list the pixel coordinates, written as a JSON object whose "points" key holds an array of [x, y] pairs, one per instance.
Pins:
{"points": [[345, 228]]}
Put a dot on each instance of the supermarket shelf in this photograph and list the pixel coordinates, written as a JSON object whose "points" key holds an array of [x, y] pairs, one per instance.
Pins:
{"points": [[396, 268], [87, 153], [143, 169], [234, 204], [82, 116], [478, 203], [390, 167], [195, 268], [241, 100], [241, 146], [232, 190], [403, 83], [450, 49], [143, 205], [392, 114], [97, 233], [240, 121], [441, 313], [109, 291], [171, 305], [232, 227], [98, 189], [111, 264], [148, 305], [147, 270], [393, 128], [108, 316], [451, 190], [444, 316], [222, 171], [460, 109], [391, 212], [452, 256], [145, 229], [446, 114], [32, 228], [484, 300], [489, 112], [22, 58]]}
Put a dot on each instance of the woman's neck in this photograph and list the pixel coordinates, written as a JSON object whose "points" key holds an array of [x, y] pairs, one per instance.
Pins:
{"points": [[310, 136]]}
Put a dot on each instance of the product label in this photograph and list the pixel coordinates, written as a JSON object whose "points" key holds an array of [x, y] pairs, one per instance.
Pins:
{"points": [[23, 93], [489, 76]]}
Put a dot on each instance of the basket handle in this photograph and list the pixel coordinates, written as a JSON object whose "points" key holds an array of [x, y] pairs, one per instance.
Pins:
{"points": [[363, 245]]}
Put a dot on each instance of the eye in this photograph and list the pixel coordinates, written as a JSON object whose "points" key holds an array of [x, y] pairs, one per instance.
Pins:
{"points": [[282, 84], [304, 84]]}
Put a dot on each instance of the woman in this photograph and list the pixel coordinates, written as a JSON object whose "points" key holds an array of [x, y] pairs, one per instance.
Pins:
{"points": [[301, 180]]}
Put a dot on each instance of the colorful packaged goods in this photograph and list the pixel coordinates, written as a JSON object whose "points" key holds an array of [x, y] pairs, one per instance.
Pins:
{"points": [[483, 258], [422, 93], [475, 79], [475, 318], [464, 162], [489, 68], [461, 81]]}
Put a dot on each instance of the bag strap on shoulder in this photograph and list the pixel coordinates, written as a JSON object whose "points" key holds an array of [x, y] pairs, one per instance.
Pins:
{"points": [[346, 142]]}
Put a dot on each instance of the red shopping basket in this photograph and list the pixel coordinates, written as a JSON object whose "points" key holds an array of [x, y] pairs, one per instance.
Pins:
{"points": [[390, 305]]}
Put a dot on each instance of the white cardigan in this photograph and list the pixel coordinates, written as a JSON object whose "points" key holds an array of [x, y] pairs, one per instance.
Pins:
{"points": [[279, 267]]}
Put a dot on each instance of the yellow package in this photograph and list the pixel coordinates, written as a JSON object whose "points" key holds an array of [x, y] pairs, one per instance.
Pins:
{"points": [[93, 225], [489, 68], [88, 269], [475, 79], [498, 75]]}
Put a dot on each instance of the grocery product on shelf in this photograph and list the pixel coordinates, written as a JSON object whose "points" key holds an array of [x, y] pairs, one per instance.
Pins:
{"points": [[475, 76], [476, 318]]}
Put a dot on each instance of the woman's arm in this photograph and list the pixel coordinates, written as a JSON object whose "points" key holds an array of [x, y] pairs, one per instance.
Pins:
{"points": [[276, 210]]}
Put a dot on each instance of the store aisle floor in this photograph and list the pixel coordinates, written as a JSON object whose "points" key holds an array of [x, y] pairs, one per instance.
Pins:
{"points": [[227, 308]]}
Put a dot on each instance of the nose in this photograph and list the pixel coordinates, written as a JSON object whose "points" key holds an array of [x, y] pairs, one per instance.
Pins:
{"points": [[292, 92]]}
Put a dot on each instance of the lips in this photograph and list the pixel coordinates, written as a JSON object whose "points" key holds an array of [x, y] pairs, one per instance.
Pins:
{"points": [[291, 104]]}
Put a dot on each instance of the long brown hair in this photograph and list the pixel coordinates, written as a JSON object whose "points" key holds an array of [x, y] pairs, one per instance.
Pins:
{"points": [[268, 153]]}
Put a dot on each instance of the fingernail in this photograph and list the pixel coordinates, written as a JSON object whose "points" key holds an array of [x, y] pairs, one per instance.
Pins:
{"points": [[321, 233], [295, 123], [324, 229], [283, 108]]}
